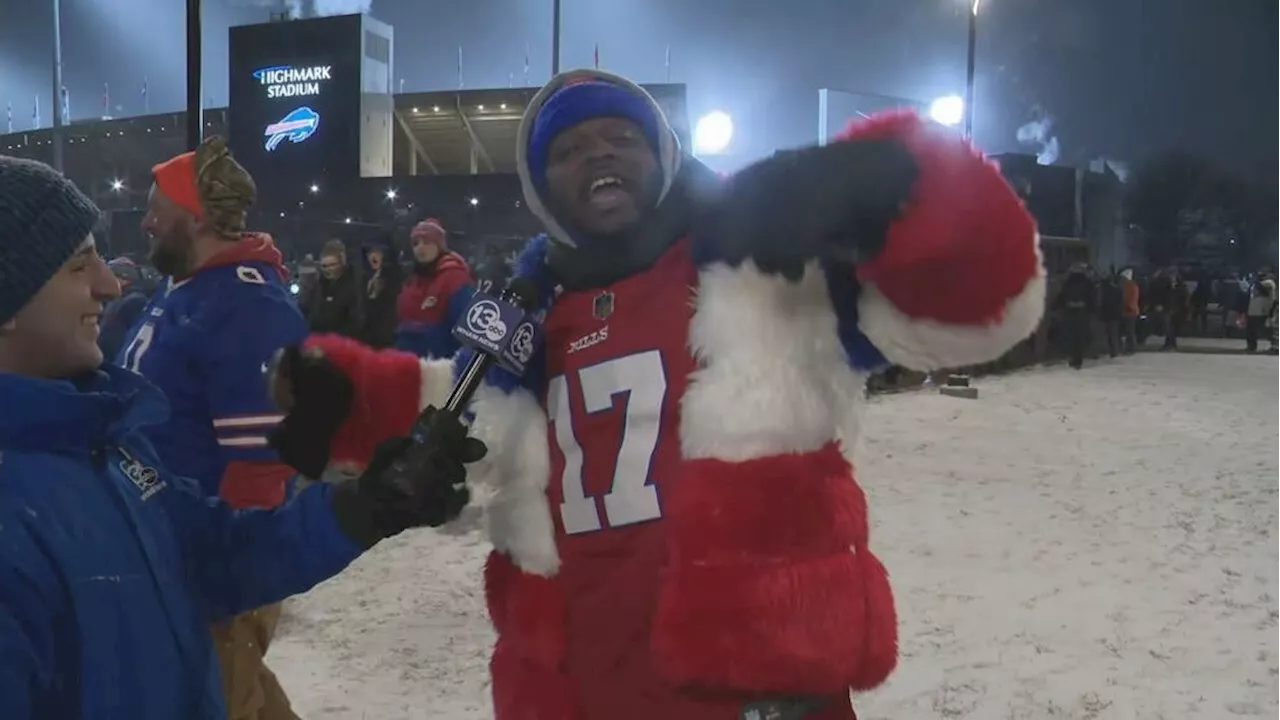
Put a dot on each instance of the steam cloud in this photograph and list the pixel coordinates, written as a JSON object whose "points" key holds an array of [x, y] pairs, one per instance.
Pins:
{"points": [[1038, 134], [299, 9]]}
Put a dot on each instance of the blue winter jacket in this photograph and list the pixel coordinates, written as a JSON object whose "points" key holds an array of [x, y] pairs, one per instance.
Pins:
{"points": [[112, 569]]}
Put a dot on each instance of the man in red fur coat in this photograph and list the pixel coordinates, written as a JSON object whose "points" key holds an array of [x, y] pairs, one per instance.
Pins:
{"points": [[677, 530]]}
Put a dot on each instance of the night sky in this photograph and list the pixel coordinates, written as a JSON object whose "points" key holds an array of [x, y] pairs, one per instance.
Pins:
{"points": [[1117, 78]]}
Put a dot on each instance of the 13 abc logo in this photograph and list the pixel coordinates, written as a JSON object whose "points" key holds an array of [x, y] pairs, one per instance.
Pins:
{"points": [[522, 343], [485, 318]]}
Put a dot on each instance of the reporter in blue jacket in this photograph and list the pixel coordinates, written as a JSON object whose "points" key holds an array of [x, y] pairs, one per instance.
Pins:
{"points": [[111, 568]]}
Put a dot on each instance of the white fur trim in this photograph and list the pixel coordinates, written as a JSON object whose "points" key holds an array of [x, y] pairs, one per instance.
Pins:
{"points": [[435, 383], [772, 374], [921, 344], [514, 427]]}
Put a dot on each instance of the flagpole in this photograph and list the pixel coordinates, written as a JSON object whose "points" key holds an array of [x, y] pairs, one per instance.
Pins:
{"points": [[667, 63], [57, 83], [459, 67]]}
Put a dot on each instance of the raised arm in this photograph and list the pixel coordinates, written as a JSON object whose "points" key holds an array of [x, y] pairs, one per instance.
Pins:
{"points": [[932, 260]]}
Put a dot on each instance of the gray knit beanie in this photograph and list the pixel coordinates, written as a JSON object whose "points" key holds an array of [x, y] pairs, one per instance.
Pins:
{"points": [[43, 220]]}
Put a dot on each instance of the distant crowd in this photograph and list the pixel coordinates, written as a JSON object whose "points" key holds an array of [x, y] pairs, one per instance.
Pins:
{"points": [[1130, 308]]}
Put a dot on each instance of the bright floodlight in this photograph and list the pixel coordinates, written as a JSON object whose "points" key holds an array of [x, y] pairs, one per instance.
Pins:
{"points": [[315, 188], [474, 201], [947, 110], [117, 185], [391, 194], [713, 133]]}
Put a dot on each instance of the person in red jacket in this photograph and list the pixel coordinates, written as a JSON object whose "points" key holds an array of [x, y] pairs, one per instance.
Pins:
{"points": [[677, 529], [433, 295]]}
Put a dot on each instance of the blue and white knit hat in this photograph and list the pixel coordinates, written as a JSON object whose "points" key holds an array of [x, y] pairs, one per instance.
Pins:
{"points": [[44, 218], [574, 97]]}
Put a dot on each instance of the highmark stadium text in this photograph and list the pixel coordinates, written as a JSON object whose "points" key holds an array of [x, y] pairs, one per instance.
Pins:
{"points": [[283, 81]]}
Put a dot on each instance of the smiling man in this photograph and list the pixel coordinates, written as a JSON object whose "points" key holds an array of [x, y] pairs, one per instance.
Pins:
{"points": [[112, 567]]}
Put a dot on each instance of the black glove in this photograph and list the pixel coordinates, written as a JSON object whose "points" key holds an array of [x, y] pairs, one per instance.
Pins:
{"points": [[410, 482], [321, 396], [782, 709], [833, 201]]}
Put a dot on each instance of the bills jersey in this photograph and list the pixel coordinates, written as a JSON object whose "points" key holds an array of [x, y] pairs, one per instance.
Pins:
{"points": [[618, 364], [206, 342]]}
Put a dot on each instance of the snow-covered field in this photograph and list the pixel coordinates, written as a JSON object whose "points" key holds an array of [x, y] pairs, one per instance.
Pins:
{"points": [[1085, 545]]}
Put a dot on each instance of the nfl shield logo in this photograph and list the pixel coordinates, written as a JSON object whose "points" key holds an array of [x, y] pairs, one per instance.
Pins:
{"points": [[602, 308]]}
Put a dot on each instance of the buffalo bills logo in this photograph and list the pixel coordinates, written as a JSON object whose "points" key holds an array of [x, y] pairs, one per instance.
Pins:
{"points": [[297, 126]]}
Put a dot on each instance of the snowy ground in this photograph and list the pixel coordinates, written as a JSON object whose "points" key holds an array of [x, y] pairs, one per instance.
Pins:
{"points": [[1085, 545]]}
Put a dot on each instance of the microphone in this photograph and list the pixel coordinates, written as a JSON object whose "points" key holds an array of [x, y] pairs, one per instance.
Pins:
{"points": [[501, 331]]}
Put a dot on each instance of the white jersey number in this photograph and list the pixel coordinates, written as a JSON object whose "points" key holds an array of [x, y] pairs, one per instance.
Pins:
{"points": [[139, 347], [642, 382]]}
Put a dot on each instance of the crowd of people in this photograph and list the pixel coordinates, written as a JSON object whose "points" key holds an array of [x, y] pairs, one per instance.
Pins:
{"points": [[1127, 309], [386, 302]]}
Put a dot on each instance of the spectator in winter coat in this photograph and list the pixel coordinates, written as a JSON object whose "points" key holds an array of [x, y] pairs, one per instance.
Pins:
{"points": [[1176, 308], [385, 278], [435, 293], [122, 313], [1131, 300], [1077, 301], [1262, 305], [491, 271], [1199, 305], [337, 303], [112, 567], [1110, 307]]}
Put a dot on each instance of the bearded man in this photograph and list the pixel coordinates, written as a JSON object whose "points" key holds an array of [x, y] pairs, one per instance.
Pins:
{"points": [[205, 340]]}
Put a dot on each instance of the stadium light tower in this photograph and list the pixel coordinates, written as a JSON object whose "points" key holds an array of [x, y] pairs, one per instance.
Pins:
{"points": [[57, 105], [972, 60], [555, 38], [195, 113]]}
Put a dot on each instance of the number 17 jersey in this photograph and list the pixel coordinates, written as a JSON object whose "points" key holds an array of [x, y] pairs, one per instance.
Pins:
{"points": [[617, 364]]}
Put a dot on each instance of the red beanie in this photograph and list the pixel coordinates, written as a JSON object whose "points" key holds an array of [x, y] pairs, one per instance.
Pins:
{"points": [[429, 230]]}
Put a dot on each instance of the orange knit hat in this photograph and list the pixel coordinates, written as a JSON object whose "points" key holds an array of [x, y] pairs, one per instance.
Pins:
{"points": [[176, 178]]}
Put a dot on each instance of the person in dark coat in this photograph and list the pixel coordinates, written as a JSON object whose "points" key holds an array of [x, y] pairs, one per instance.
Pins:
{"points": [[1110, 310], [337, 302], [1177, 309], [382, 287], [122, 313], [1077, 301], [112, 568]]}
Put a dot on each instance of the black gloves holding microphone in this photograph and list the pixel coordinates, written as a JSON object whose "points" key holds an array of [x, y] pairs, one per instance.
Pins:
{"points": [[408, 483]]}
